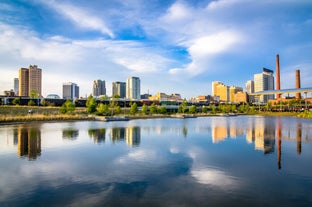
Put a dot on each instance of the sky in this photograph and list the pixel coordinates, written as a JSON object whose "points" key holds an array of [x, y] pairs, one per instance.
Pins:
{"points": [[173, 46]]}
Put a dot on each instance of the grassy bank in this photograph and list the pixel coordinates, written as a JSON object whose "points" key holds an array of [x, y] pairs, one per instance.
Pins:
{"points": [[21, 114]]}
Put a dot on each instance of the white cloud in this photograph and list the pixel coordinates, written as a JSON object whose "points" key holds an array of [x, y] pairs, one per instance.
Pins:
{"points": [[80, 17], [205, 48]]}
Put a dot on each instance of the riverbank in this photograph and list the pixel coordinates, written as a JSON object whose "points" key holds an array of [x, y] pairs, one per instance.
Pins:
{"points": [[29, 114]]}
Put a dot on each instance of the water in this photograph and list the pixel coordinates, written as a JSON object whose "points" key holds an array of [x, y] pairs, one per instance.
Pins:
{"points": [[213, 161]]}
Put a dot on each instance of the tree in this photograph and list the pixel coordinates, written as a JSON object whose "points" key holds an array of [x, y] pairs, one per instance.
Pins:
{"points": [[31, 103], [213, 108], [182, 107], [133, 108], [192, 109], [102, 108], [144, 109], [204, 109], [67, 107], [33, 94], [116, 96], [162, 109], [16, 101], [153, 109], [91, 104]]}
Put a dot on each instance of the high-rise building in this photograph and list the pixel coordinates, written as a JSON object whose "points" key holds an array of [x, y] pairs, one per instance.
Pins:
{"points": [[119, 88], [214, 87], [30, 80], [232, 91], [99, 88], [70, 91], [133, 88], [264, 81], [250, 88], [16, 86], [222, 91]]}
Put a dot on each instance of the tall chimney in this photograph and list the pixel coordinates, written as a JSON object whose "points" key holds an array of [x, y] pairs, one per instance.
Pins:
{"points": [[278, 80], [298, 95]]}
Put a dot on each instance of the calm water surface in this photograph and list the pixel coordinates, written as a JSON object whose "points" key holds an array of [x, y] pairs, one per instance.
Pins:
{"points": [[213, 161]]}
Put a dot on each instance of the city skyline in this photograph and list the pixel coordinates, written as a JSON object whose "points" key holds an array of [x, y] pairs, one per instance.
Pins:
{"points": [[179, 46]]}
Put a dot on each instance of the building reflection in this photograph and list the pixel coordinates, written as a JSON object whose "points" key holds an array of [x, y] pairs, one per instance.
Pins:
{"points": [[98, 135], [262, 132], [133, 136], [28, 142], [70, 134], [118, 134], [222, 129]]}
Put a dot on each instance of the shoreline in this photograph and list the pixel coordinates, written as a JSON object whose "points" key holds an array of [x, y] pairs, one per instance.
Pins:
{"points": [[76, 117]]}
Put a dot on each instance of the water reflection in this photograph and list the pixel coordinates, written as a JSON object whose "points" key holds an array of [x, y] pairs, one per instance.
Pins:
{"points": [[225, 161], [70, 134], [28, 141], [98, 135]]}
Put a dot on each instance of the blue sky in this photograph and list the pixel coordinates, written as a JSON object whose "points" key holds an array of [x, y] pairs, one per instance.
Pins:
{"points": [[174, 46]]}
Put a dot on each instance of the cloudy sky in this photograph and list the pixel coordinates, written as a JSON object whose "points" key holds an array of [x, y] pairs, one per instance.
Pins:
{"points": [[174, 46]]}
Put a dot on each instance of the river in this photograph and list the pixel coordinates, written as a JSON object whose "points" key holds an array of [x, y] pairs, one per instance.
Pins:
{"points": [[207, 161]]}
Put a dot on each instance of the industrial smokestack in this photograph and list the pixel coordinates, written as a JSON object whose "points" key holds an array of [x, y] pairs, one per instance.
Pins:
{"points": [[298, 85], [278, 80]]}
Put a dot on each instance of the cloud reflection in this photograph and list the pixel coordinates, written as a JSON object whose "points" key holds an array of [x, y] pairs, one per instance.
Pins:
{"points": [[214, 177]]}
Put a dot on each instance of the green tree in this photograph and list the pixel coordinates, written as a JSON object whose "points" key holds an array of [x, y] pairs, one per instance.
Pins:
{"points": [[162, 110], [133, 108], [153, 109], [182, 107], [204, 109], [213, 108], [233, 108], [116, 96], [192, 109], [91, 104], [144, 109], [16, 101], [102, 108], [67, 107], [33, 94], [31, 103]]}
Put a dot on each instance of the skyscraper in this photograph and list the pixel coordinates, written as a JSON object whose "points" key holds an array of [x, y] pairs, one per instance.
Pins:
{"points": [[250, 88], [133, 88], [264, 81], [70, 91], [99, 88], [16, 86], [30, 79], [119, 88], [214, 87]]}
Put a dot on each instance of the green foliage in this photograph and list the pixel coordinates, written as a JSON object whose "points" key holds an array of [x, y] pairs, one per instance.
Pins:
{"points": [[153, 109], [31, 103], [116, 96], [144, 109], [204, 109], [133, 108], [102, 109], [67, 107], [213, 108], [192, 109], [182, 107], [162, 110], [33, 94], [16, 101], [233, 108], [91, 104]]}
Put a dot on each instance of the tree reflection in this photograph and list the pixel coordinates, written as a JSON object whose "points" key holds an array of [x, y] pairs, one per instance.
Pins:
{"points": [[98, 135]]}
